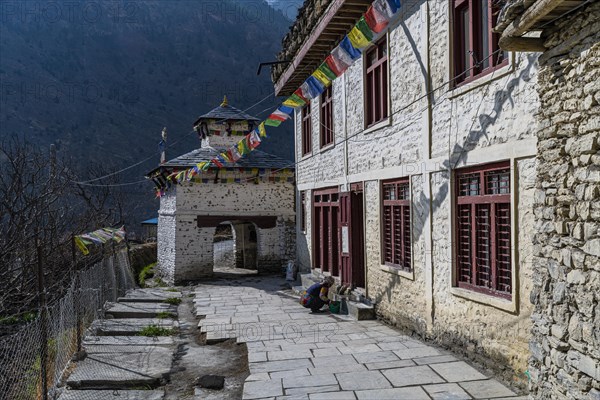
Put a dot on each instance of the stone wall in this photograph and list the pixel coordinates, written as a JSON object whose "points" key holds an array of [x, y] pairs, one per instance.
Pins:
{"points": [[565, 348], [185, 251], [491, 119]]}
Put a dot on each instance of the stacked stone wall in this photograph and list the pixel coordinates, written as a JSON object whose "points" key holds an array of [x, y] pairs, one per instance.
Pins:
{"points": [[565, 347]]}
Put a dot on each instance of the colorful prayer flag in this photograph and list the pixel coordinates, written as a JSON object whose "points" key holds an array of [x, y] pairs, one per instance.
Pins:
{"points": [[301, 94], [324, 68], [217, 163], [253, 140], [242, 146], [349, 49], [272, 122], [357, 37], [279, 115], [291, 102], [261, 130], [322, 78], [226, 157], [335, 65], [364, 28], [376, 21], [287, 110], [81, 245], [315, 87], [384, 8]]}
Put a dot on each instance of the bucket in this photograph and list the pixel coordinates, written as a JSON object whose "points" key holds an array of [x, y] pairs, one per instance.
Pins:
{"points": [[334, 307]]}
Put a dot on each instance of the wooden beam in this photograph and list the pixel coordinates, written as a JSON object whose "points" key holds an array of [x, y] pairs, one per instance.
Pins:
{"points": [[523, 44], [522, 25]]}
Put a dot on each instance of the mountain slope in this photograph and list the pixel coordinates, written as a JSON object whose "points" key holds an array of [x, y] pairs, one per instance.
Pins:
{"points": [[110, 83], [101, 79]]}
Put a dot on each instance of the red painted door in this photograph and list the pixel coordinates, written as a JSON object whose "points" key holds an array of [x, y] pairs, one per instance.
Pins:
{"points": [[345, 239], [325, 231], [351, 238]]}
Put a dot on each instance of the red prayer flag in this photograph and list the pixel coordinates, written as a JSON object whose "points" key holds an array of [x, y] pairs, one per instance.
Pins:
{"points": [[375, 20], [337, 67]]}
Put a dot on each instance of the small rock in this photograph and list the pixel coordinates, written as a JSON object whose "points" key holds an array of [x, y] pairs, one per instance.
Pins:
{"points": [[211, 382]]}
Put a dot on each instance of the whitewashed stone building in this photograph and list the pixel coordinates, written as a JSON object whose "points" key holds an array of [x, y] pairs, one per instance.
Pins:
{"points": [[416, 173], [254, 195]]}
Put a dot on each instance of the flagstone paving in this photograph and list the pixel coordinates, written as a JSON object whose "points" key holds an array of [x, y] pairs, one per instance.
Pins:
{"points": [[294, 354]]}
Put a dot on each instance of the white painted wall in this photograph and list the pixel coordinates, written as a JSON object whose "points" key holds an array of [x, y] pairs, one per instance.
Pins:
{"points": [[186, 251], [491, 119]]}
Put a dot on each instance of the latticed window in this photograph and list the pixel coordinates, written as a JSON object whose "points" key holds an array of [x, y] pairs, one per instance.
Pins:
{"points": [[377, 82], [327, 116], [396, 224], [483, 229], [306, 130], [476, 50]]}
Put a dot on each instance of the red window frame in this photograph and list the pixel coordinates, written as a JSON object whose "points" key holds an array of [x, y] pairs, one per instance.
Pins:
{"points": [[396, 233], [377, 83], [483, 229], [303, 211], [327, 116], [475, 44], [306, 130]]}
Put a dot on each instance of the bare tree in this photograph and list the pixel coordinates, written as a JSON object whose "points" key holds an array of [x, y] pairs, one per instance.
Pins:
{"points": [[42, 206]]}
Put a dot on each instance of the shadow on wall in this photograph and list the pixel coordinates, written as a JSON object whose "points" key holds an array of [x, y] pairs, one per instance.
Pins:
{"points": [[467, 339]]}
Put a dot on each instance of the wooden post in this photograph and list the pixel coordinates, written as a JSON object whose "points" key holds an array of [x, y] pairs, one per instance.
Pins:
{"points": [[44, 322]]}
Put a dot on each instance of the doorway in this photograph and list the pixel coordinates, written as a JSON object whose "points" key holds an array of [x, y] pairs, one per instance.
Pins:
{"points": [[326, 207], [352, 237]]}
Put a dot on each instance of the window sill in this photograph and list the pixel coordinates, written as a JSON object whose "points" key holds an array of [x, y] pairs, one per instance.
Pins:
{"points": [[381, 124], [484, 80], [496, 302], [398, 271], [327, 147], [305, 156]]}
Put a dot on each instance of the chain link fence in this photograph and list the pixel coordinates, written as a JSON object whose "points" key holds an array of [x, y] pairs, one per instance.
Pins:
{"points": [[34, 359]]}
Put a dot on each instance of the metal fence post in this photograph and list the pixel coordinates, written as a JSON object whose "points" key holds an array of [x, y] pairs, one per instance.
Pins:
{"points": [[44, 322], [76, 294]]}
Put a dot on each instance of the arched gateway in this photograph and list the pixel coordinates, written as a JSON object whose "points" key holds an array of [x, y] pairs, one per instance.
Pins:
{"points": [[255, 195]]}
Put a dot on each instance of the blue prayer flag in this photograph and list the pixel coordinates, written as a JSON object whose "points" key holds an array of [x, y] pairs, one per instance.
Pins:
{"points": [[346, 45]]}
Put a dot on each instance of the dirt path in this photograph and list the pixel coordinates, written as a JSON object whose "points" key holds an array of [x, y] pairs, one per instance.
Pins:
{"points": [[194, 359]]}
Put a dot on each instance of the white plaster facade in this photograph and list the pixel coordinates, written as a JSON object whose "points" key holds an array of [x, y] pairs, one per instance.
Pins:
{"points": [[425, 139]]}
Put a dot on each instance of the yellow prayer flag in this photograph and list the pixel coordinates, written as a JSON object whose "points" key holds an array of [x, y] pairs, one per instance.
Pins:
{"points": [[358, 39], [321, 77], [291, 103], [262, 130], [81, 246]]}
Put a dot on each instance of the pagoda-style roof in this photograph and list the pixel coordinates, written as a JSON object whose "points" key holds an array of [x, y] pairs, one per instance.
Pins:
{"points": [[225, 112], [255, 159]]}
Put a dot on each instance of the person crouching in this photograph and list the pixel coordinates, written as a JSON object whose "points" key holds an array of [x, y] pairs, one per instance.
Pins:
{"points": [[316, 296]]}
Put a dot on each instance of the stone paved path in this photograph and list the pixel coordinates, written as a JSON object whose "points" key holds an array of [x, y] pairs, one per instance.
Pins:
{"points": [[297, 355]]}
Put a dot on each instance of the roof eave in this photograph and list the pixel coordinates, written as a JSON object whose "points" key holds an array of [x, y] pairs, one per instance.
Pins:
{"points": [[336, 21]]}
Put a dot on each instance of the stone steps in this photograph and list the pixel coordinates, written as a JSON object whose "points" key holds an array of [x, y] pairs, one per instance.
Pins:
{"points": [[113, 394], [149, 295], [118, 362], [138, 310]]}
